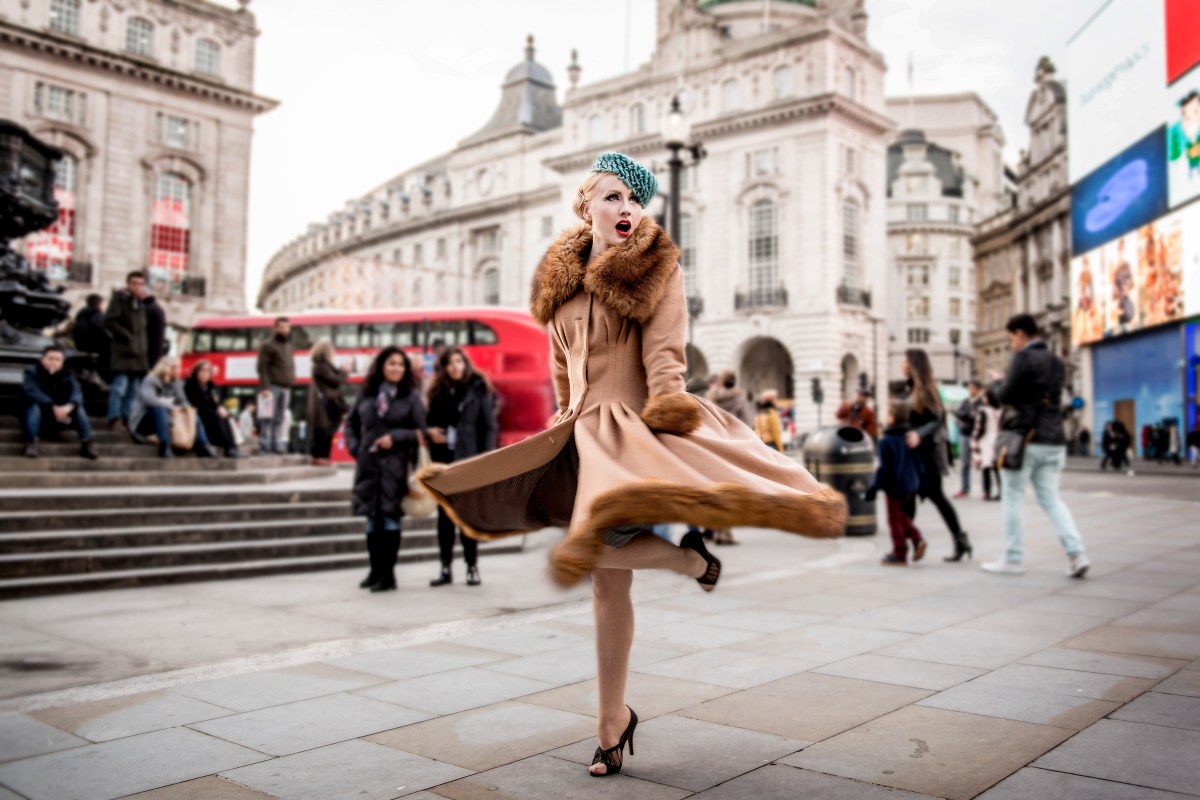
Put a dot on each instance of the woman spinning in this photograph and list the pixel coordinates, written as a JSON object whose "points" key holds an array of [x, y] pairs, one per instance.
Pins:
{"points": [[628, 447]]}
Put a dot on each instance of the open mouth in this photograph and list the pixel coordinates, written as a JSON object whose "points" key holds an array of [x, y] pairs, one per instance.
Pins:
{"points": [[624, 227]]}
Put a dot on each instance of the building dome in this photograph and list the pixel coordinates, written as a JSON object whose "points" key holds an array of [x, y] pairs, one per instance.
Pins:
{"points": [[946, 165], [528, 103]]}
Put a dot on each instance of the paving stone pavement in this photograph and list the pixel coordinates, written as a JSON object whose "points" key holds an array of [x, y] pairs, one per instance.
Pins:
{"points": [[831, 678]]}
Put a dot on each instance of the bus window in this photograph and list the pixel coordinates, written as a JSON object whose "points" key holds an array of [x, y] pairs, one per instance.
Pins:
{"points": [[231, 340], [355, 336], [400, 334], [482, 333], [448, 333], [201, 341], [305, 336]]}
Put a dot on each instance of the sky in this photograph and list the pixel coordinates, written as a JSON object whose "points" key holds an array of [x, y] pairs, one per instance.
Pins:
{"points": [[370, 88]]}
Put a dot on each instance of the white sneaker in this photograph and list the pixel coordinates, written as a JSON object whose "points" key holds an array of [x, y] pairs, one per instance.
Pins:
{"points": [[1004, 567], [1079, 565]]}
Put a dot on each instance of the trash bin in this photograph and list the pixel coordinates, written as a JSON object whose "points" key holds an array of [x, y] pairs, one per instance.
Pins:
{"points": [[844, 458]]}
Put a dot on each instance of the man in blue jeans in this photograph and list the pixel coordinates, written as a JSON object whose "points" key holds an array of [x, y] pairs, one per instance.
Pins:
{"points": [[53, 399], [125, 322], [276, 374], [1033, 388]]}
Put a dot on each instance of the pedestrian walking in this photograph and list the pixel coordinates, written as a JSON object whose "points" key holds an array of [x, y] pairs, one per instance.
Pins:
{"points": [[898, 477], [965, 415], [1122, 447], [125, 322], [1085, 442], [160, 403], [859, 414], [629, 448], [1193, 443], [983, 443], [91, 336], [204, 396], [327, 406], [53, 400], [385, 426], [728, 397], [462, 422], [928, 436], [767, 424], [1172, 447], [1033, 390], [276, 374]]}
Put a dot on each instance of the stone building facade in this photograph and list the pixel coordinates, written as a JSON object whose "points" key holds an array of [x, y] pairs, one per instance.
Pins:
{"points": [[153, 103], [941, 181], [782, 224], [1022, 253]]}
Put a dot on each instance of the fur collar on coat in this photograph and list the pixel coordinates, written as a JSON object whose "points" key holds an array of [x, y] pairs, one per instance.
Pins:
{"points": [[630, 278]]}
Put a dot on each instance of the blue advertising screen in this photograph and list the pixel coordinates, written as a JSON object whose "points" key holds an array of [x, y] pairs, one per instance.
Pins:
{"points": [[1128, 191]]}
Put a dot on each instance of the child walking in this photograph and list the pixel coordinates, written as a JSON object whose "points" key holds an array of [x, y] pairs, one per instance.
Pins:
{"points": [[899, 476]]}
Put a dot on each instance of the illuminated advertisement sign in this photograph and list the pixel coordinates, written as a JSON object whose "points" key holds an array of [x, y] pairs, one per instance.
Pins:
{"points": [[1183, 139], [1147, 277], [1183, 42], [1128, 191]]}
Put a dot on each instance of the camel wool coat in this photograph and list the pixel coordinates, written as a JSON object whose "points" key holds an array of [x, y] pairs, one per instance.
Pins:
{"points": [[629, 446]]}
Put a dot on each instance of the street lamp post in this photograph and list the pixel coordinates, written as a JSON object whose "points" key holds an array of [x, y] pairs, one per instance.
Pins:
{"points": [[676, 136], [954, 334]]}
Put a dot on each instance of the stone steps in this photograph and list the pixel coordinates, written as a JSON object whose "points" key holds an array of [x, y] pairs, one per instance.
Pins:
{"points": [[149, 463], [36, 499], [125, 518], [68, 480]]}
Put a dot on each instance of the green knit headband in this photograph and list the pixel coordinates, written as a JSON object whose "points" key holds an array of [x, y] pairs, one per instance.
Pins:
{"points": [[640, 180]]}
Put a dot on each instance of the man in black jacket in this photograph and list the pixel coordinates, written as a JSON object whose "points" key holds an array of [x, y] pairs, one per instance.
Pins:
{"points": [[129, 362], [89, 332], [1033, 391], [52, 396]]}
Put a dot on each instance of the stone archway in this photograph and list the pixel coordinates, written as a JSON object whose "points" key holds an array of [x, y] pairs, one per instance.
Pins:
{"points": [[697, 364], [849, 377], [767, 364]]}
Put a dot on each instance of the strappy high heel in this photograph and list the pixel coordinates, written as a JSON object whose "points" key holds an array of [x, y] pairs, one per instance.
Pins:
{"points": [[694, 540], [613, 757]]}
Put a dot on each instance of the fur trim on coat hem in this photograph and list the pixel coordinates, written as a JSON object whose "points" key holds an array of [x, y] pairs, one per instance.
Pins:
{"points": [[821, 515], [672, 413]]}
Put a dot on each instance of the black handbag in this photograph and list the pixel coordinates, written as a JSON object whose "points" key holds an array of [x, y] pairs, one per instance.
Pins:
{"points": [[1010, 448]]}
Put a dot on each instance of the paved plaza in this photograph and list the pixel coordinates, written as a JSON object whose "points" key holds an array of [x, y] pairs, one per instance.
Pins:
{"points": [[811, 671]]}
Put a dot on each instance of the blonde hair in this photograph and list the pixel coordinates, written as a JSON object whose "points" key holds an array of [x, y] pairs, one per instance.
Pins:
{"points": [[586, 189], [162, 370], [323, 351]]}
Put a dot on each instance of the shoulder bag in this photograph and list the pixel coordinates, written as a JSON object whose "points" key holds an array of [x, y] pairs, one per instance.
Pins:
{"points": [[418, 502]]}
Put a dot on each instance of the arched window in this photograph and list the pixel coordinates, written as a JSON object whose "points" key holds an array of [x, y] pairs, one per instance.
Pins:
{"points": [[637, 119], [51, 250], [595, 129], [491, 287], [64, 16], [731, 99], [687, 253], [170, 232], [764, 253], [783, 82], [139, 36], [208, 57], [851, 224]]}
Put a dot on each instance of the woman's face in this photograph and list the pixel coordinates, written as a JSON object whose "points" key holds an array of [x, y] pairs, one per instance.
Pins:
{"points": [[204, 374], [393, 368], [905, 369], [173, 372], [456, 367], [613, 211]]}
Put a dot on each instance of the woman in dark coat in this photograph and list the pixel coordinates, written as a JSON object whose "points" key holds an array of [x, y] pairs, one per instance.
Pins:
{"points": [[326, 405], [928, 435], [462, 423], [203, 395], [385, 426]]}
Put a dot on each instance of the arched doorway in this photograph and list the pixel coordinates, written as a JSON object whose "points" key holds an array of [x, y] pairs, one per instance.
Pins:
{"points": [[849, 377], [697, 364], [767, 364]]}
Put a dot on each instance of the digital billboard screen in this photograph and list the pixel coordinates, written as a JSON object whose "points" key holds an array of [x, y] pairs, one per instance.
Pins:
{"points": [[1182, 38], [1128, 191], [1183, 139]]}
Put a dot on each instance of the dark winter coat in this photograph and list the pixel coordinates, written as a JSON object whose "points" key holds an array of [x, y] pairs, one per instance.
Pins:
{"points": [[899, 473], [276, 365], [930, 425], [381, 476], [326, 405], [206, 399], [967, 413], [1033, 390], [471, 410], [156, 330], [126, 322], [43, 389], [90, 334]]}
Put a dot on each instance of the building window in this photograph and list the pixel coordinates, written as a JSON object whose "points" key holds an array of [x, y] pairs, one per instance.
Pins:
{"points": [[178, 132], [139, 36], [851, 161], [441, 247], [488, 241], [952, 213], [208, 57], [50, 250], [918, 336], [918, 274], [761, 162], [170, 232], [851, 274], [956, 246], [781, 78], [595, 129], [917, 212], [918, 307], [397, 256], [637, 119], [731, 99], [64, 16], [955, 308], [956, 276], [764, 251], [491, 287], [848, 81], [687, 253], [548, 225], [418, 254]]}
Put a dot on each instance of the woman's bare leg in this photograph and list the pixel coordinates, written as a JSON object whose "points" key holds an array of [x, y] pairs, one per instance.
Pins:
{"points": [[647, 551], [614, 638]]}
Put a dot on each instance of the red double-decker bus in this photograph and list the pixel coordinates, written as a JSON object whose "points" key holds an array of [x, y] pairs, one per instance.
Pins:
{"points": [[505, 344]]}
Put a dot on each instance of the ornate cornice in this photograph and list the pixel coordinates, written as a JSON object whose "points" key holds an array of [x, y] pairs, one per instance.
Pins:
{"points": [[71, 49]]}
